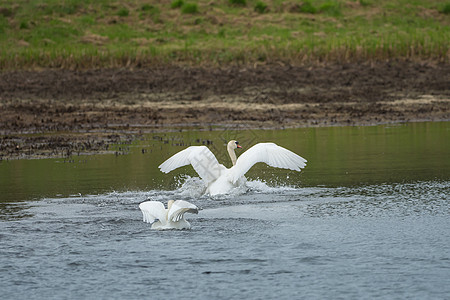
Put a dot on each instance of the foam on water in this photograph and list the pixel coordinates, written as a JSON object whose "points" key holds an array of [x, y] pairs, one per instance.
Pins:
{"points": [[377, 200]]}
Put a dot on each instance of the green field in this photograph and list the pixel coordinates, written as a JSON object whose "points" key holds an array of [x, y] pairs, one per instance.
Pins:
{"points": [[104, 33]]}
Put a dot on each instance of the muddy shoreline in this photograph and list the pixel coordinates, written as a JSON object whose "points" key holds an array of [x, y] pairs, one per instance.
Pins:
{"points": [[62, 113]]}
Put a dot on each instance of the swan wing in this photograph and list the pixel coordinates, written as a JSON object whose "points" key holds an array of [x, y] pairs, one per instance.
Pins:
{"points": [[152, 211], [200, 157], [269, 153], [179, 208]]}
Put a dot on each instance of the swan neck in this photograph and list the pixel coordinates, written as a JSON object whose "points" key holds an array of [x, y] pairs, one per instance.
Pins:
{"points": [[169, 205], [232, 155]]}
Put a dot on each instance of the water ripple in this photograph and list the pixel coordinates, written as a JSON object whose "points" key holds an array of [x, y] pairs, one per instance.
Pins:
{"points": [[372, 241]]}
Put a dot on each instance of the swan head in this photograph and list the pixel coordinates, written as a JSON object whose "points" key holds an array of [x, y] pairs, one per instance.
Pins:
{"points": [[233, 145]]}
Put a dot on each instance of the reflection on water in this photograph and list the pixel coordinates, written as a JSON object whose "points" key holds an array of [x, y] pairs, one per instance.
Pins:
{"points": [[337, 156]]}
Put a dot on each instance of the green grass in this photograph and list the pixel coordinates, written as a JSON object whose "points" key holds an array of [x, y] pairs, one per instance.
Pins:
{"points": [[238, 2], [177, 4], [307, 7], [123, 12], [331, 8], [261, 7], [445, 9], [106, 33], [189, 8]]}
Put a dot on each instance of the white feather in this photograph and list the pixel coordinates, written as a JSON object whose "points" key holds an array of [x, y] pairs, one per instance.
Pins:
{"points": [[200, 157], [221, 180], [179, 208], [269, 153], [161, 218], [152, 211]]}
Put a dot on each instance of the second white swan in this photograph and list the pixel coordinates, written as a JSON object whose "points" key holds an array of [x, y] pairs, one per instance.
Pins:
{"points": [[161, 218], [221, 180]]}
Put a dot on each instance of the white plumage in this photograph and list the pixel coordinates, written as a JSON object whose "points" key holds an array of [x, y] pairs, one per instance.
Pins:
{"points": [[200, 157], [155, 213], [218, 178]]}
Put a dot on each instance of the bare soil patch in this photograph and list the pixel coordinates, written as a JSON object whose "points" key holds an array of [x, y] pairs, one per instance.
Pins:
{"points": [[63, 112]]}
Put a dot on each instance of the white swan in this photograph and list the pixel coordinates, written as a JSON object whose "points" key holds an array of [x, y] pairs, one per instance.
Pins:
{"points": [[171, 218], [221, 180]]}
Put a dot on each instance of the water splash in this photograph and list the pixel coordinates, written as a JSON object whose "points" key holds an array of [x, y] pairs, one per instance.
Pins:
{"points": [[372, 200]]}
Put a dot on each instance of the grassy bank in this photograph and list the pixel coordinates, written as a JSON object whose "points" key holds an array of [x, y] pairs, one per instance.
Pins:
{"points": [[106, 33]]}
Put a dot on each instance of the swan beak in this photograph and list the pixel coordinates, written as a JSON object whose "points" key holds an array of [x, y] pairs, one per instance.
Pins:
{"points": [[238, 146]]}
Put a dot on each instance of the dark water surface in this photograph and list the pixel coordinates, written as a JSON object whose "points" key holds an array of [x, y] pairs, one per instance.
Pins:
{"points": [[368, 218]]}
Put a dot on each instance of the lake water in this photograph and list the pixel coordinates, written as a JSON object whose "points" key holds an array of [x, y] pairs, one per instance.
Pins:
{"points": [[368, 217]]}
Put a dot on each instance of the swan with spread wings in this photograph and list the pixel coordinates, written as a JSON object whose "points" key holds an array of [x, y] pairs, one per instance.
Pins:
{"points": [[221, 180], [161, 218]]}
